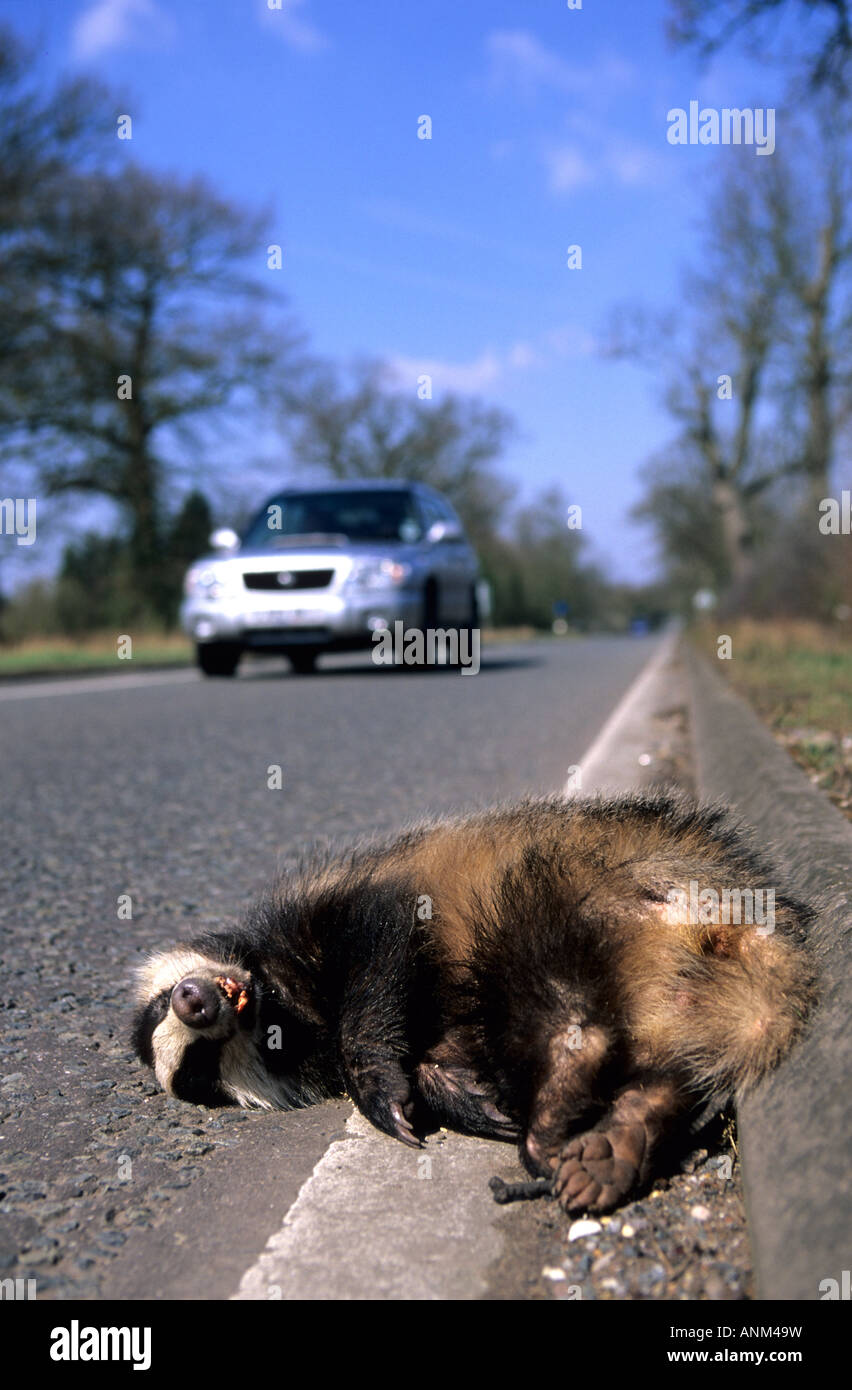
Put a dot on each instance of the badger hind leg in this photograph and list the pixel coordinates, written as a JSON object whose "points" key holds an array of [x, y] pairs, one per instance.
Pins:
{"points": [[576, 1057], [542, 983], [597, 1170]]}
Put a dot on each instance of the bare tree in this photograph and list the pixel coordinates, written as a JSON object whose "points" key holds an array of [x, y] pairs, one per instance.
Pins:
{"points": [[808, 202], [689, 531], [365, 427], [553, 563], [155, 333], [132, 313], [714, 359], [757, 365], [42, 137], [825, 34]]}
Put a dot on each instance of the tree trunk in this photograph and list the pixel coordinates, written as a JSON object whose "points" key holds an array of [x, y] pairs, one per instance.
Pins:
{"points": [[736, 534], [819, 440]]}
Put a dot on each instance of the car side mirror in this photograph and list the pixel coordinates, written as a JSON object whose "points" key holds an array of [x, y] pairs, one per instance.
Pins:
{"points": [[224, 539], [444, 531]]}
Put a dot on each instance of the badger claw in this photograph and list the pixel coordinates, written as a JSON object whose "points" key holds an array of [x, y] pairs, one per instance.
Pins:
{"points": [[402, 1129], [382, 1093]]}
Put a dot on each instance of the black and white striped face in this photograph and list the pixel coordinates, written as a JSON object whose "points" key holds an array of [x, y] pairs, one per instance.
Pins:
{"points": [[198, 1026]]}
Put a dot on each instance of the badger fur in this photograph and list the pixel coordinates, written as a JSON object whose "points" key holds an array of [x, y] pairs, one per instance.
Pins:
{"points": [[527, 972]]}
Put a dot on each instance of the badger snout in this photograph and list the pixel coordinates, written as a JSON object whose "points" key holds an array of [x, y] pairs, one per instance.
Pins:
{"points": [[196, 1002]]}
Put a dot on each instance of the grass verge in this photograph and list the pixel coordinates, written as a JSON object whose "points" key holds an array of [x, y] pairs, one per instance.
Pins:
{"points": [[798, 677], [56, 655]]}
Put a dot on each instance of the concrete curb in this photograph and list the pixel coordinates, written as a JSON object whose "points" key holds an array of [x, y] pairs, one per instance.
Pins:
{"points": [[366, 1225], [796, 1128]]}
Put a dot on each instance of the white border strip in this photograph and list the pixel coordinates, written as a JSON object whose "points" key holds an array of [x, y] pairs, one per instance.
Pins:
{"points": [[621, 715], [94, 685]]}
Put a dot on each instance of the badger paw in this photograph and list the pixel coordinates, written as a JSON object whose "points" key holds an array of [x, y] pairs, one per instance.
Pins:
{"points": [[596, 1171], [455, 1094], [383, 1094]]}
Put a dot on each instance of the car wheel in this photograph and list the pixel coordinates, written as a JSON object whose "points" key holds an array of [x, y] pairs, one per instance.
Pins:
{"points": [[430, 604], [473, 621], [303, 662], [218, 658], [466, 629]]}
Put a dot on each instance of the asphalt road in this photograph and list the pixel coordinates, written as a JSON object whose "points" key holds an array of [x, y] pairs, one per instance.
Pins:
{"points": [[156, 786]]}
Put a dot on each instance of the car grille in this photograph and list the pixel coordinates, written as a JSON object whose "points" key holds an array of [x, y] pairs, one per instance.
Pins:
{"points": [[295, 579]]}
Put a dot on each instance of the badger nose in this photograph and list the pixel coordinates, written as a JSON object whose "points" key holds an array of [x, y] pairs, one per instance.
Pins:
{"points": [[196, 1003]]}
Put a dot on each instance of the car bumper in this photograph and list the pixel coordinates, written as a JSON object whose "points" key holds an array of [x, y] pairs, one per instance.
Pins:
{"points": [[298, 619]]}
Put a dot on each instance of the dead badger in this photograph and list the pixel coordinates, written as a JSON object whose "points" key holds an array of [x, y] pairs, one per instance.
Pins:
{"points": [[535, 971]]}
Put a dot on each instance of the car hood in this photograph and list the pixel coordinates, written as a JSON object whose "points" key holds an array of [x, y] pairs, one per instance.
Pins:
{"points": [[264, 558]]}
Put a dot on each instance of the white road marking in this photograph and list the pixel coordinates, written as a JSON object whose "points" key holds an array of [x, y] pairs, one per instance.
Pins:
{"points": [[94, 685], [597, 755]]}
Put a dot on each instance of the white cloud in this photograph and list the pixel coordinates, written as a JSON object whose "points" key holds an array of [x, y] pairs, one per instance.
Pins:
{"points": [[292, 26], [634, 164], [491, 367], [567, 169], [522, 356], [570, 341], [594, 153], [450, 376], [590, 150], [390, 212], [519, 59], [109, 24]]}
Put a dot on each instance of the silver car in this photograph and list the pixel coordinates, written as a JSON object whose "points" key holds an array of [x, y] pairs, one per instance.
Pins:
{"points": [[322, 569]]}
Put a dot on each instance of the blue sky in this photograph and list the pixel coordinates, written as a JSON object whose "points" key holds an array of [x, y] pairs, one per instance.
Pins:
{"points": [[445, 255]]}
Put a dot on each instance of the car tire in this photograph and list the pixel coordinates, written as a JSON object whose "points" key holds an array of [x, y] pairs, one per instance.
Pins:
{"points": [[473, 621], [431, 606], [218, 658], [303, 662], [467, 627]]}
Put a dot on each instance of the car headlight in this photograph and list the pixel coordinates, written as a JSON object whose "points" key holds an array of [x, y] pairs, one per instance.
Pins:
{"points": [[377, 574], [203, 582]]}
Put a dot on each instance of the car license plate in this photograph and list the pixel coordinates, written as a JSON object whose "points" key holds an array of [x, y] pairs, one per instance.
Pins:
{"points": [[287, 617]]}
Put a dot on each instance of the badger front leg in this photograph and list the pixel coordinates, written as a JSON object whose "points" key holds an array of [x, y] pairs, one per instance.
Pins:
{"points": [[598, 1169], [455, 1095], [380, 1088], [374, 1032]]}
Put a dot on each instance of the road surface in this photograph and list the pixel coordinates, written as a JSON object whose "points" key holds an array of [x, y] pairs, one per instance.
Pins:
{"points": [[156, 788]]}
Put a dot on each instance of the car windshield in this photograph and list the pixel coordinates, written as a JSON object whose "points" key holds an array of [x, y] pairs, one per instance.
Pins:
{"points": [[359, 515]]}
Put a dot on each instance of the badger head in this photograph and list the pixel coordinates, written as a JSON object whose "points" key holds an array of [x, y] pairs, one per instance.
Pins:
{"points": [[216, 1033]]}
